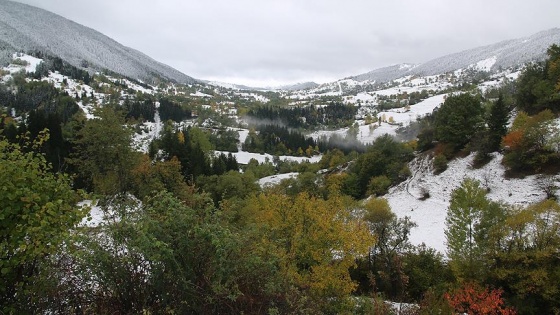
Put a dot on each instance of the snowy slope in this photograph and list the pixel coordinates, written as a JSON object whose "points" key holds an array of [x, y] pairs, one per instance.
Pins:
{"points": [[401, 117], [243, 157], [31, 63], [275, 179], [502, 55], [430, 213], [298, 86], [26, 28], [386, 73]]}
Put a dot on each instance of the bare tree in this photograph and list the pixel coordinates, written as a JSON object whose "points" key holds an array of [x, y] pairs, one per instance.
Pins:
{"points": [[547, 183]]}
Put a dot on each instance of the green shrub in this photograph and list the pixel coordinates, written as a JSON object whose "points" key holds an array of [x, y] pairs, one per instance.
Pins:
{"points": [[379, 185], [439, 163]]}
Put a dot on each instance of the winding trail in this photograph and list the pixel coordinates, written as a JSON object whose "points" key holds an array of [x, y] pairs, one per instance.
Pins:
{"points": [[416, 171]]}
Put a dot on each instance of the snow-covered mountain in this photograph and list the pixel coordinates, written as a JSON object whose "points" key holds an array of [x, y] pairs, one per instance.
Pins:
{"points": [[26, 28], [291, 87], [298, 86], [495, 57], [233, 86]]}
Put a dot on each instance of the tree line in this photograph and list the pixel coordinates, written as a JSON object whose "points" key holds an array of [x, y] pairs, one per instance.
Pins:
{"points": [[336, 115], [278, 140]]}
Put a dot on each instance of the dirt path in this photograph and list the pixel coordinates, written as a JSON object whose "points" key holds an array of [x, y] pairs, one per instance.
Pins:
{"points": [[419, 168]]}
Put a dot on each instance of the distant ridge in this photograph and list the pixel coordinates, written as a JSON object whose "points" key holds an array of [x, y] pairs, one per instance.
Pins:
{"points": [[290, 87], [26, 28], [298, 86], [502, 55]]}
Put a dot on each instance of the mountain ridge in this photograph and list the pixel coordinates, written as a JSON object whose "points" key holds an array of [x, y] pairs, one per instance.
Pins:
{"points": [[27, 28], [508, 53]]}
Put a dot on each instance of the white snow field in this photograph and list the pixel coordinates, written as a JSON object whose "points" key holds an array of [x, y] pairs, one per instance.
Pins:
{"points": [[275, 179]]}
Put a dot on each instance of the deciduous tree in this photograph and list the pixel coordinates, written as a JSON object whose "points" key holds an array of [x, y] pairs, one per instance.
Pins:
{"points": [[38, 210], [472, 299], [316, 241], [470, 218], [384, 263], [103, 156], [526, 264]]}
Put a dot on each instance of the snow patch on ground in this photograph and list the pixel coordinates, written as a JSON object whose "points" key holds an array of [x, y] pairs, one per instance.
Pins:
{"points": [[368, 133], [31, 61], [200, 94], [71, 86], [131, 85], [11, 69], [275, 179], [149, 131], [427, 106], [100, 215], [87, 109], [486, 64], [244, 157], [254, 96], [410, 85], [430, 214], [95, 216]]}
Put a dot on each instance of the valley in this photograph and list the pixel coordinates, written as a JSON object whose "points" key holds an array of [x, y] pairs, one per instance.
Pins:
{"points": [[130, 186]]}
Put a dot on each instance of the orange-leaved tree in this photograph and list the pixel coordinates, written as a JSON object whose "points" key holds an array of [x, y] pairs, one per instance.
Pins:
{"points": [[473, 299]]}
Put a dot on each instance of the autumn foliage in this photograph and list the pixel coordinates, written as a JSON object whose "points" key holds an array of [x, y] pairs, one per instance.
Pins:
{"points": [[513, 140], [474, 300]]}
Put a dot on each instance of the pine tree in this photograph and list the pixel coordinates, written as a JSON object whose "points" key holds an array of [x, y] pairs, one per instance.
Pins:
{"points": [[458, 119], [497, 124]]}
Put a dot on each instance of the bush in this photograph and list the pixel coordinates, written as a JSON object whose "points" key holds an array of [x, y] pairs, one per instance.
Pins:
{"points": [[433, 303], [481, 158], [379, 185], [440, 163], [473, 299], [20, 62], [427, 271], [425, 193]]}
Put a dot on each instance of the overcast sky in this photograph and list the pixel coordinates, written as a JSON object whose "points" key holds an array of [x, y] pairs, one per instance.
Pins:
{"points": [[271, 42]]}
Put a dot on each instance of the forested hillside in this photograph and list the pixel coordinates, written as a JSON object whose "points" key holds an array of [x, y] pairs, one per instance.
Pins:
{"points": [[26, 28]]}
